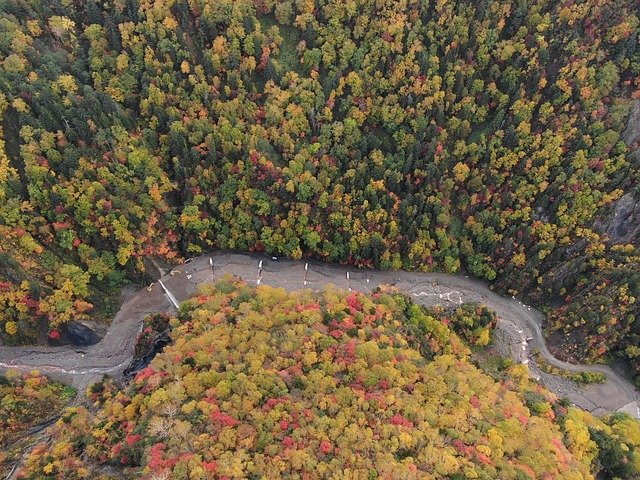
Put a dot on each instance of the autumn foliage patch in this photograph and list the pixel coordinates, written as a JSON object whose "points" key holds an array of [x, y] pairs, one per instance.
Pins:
{"points": [[272, 392]]}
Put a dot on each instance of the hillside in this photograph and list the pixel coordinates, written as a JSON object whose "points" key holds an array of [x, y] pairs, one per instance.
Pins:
{"points": [[261, 383], [483, 136], [28, 403]]}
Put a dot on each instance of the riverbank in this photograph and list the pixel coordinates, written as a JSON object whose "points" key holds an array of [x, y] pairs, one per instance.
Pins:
{"points": [[517, 333]]}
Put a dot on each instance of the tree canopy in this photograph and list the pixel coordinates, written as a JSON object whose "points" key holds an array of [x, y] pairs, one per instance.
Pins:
{"points": [[261, 383], [422, 134]]}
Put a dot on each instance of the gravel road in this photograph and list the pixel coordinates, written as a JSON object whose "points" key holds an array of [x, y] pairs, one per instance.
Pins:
{"points": [[519, 326]]}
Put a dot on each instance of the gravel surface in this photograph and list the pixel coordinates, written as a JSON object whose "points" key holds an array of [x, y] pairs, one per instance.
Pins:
{"points": [[519, 326]]}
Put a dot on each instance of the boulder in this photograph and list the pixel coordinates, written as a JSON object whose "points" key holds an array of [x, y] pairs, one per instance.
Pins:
{"points": [[77, 334]]}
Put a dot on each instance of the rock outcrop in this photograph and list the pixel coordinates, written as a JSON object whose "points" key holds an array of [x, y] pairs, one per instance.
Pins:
{"points": [[631, 134], [623, 226], [77, 334]]}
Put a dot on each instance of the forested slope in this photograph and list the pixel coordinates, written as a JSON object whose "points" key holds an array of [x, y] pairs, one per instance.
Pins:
{"points": [[261, 383], [28, 402], [445, 135]]}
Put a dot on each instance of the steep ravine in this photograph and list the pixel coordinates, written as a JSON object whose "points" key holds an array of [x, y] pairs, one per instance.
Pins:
{"points": [[517, 322]]}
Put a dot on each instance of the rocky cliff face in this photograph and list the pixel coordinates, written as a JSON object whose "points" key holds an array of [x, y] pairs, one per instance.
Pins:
{"points": [[631, 135], [622, 225]]}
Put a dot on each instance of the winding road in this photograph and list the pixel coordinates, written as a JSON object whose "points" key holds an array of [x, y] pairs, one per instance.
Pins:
{"points": [[518, 330]]}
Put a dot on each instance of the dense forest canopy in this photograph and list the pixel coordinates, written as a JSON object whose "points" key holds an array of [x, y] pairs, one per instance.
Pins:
{"points": [[481, 135], [259, 383], [27, 400]]}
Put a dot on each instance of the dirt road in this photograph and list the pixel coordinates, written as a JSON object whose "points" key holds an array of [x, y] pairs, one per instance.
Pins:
{"points": [[517, 322]]}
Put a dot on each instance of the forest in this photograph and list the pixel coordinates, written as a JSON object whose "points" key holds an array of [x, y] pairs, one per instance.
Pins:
{"points": [[490, 137], [27, 402], [261, 383]]}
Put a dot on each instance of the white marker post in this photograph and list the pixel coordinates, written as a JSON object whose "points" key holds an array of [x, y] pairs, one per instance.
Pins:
{"points": [[169, 295]]}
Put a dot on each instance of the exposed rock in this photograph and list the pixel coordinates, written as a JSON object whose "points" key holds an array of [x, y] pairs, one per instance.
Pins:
{"points": [[623, 226], [631, 134], [155, 268], [632, 409], [77, 334], [565, 273], [142, 361]]}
